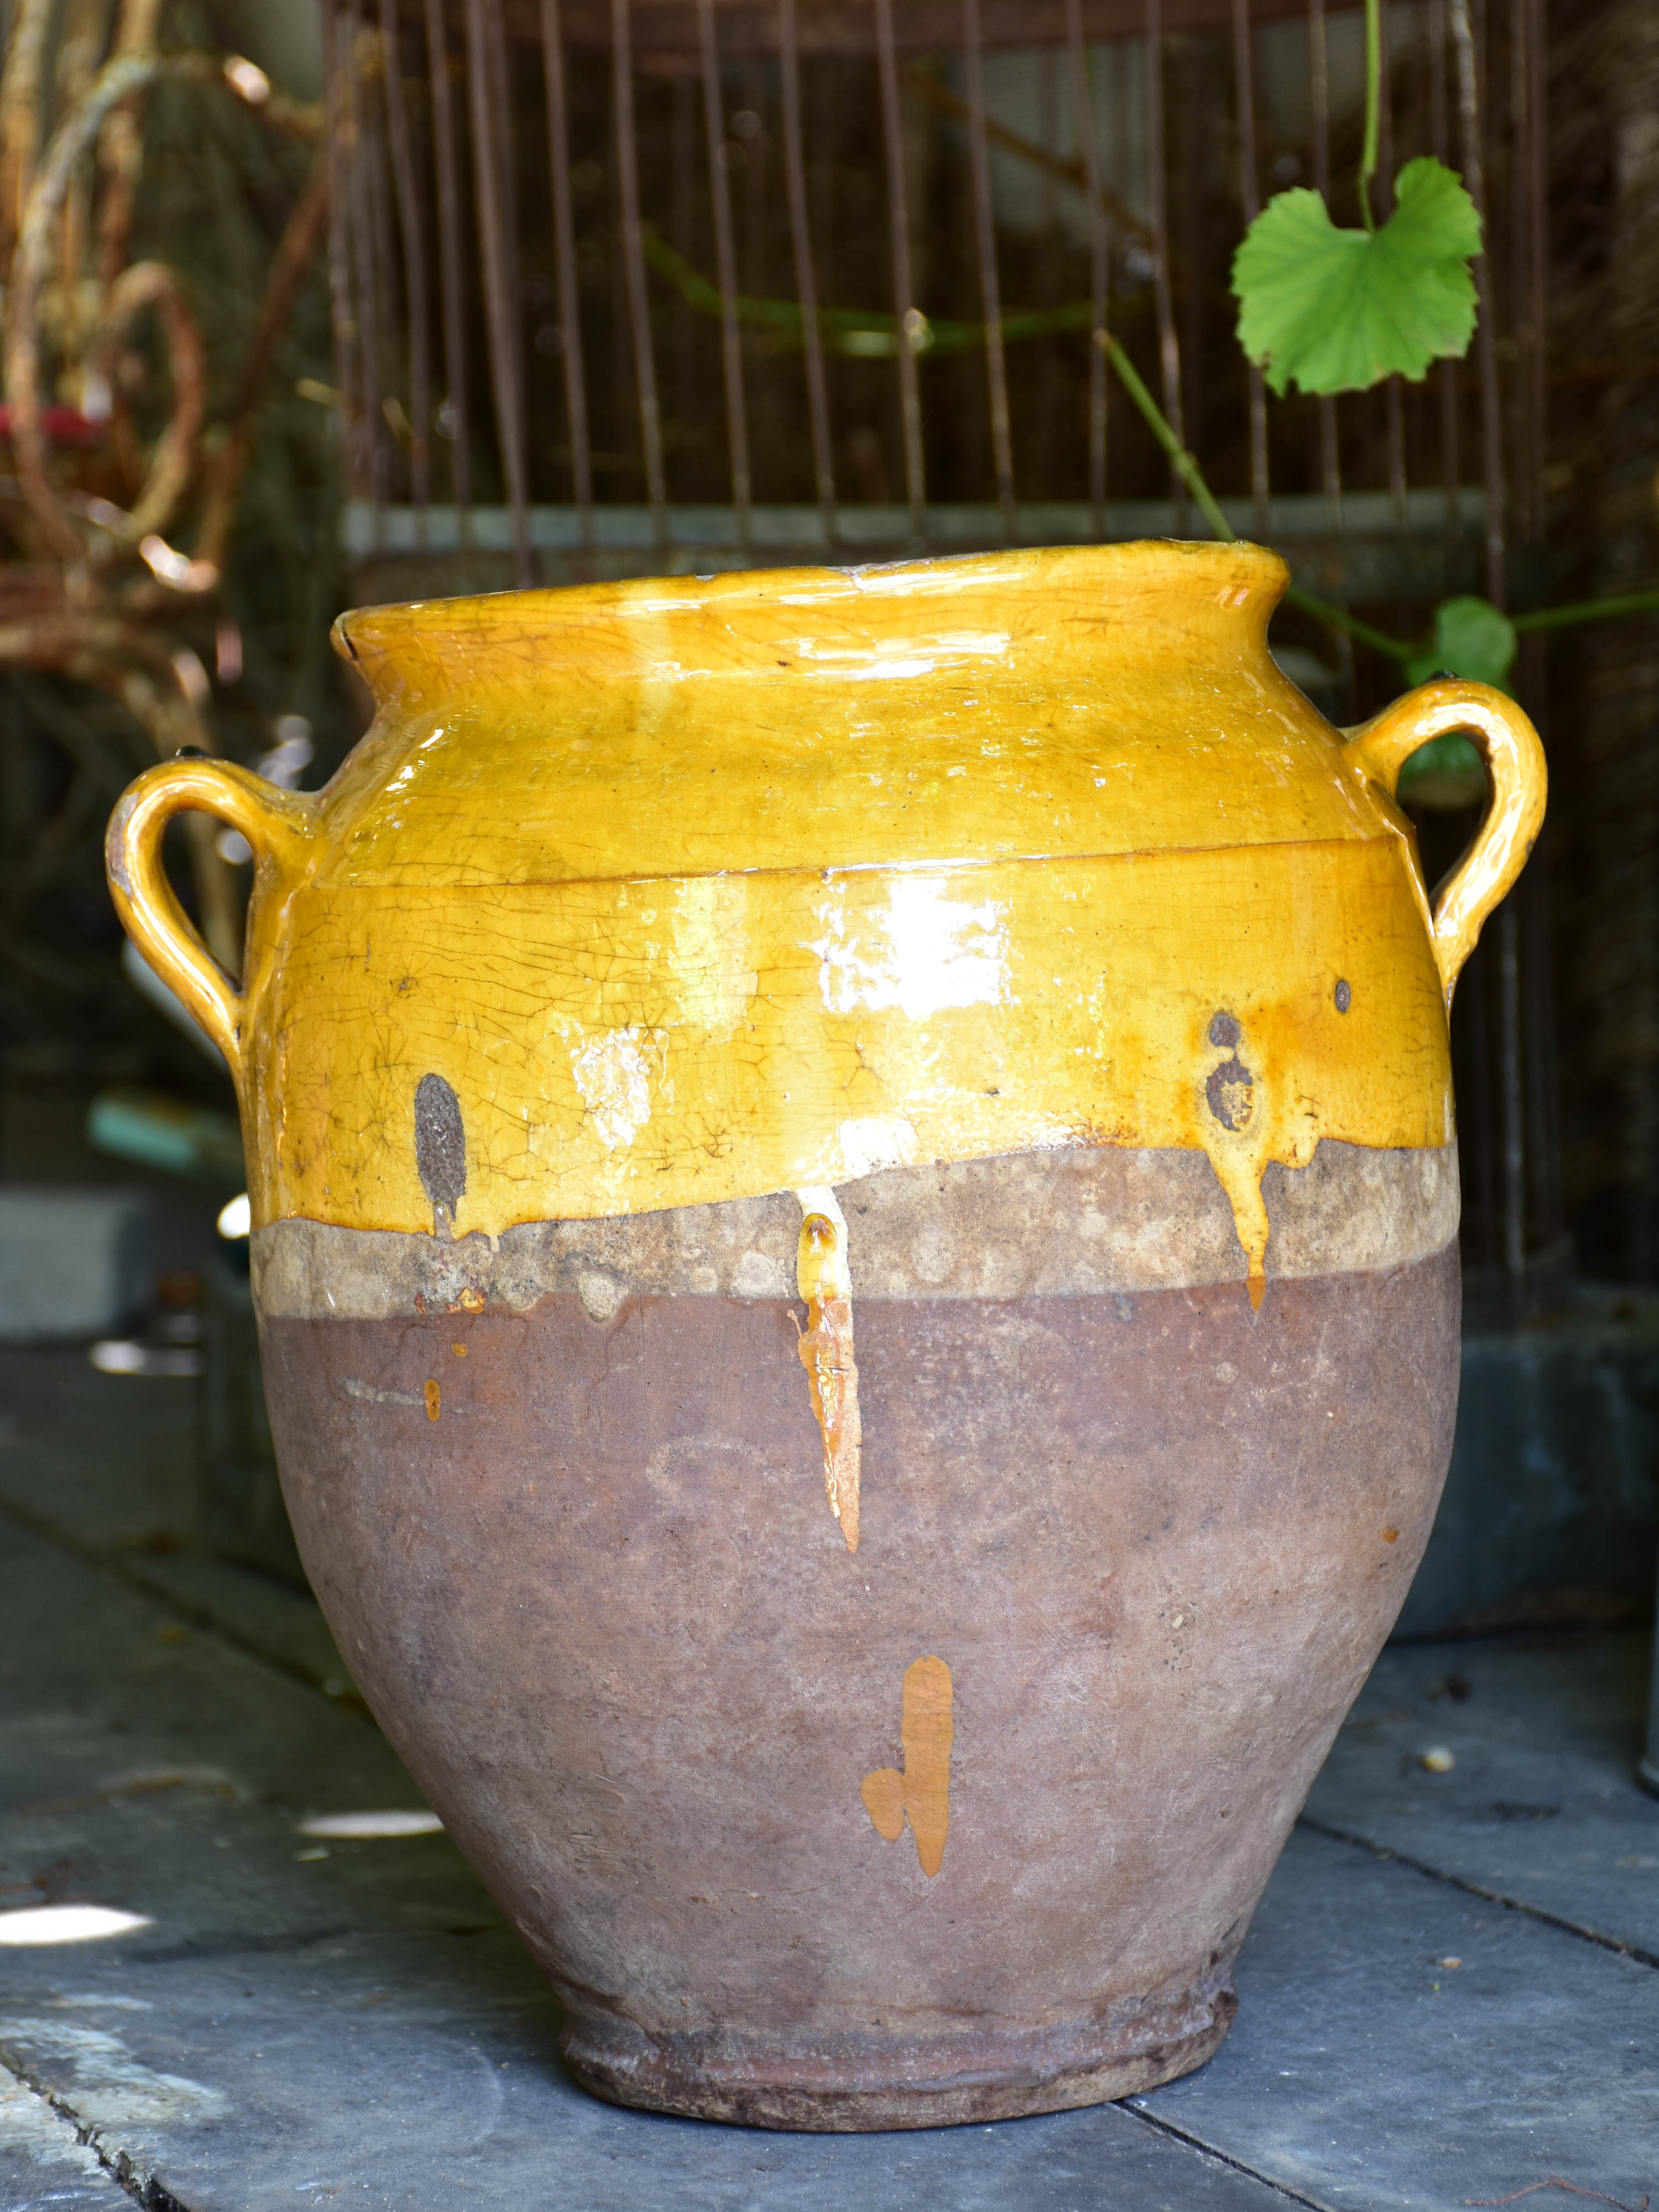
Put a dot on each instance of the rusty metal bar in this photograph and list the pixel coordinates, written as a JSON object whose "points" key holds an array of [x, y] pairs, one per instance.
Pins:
{"points": [[411, 233], [446, 170], [725, 271], [1528, 188], [1440, 144], [1537, 191], [1470, 153], [1518, 280], [909, 326], [500, 302], [1099, 264], [806, 283], [1527, 220], [985, 240], [1319, 101], [383, 253], [639, 297], [1393, 403], [1511, 1091], [364, 272], [1169, 345], [342, 305], [1250, 194], [564, 242], [506, 169]]}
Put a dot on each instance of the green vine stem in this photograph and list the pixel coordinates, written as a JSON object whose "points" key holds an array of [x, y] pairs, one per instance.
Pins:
{"points": [[1586, 611], [1183, 462], [1186, 466], [1400, 650], [1373, 108]]}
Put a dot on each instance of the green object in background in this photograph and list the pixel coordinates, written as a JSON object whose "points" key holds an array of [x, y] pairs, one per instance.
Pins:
{"points": [[158, 1132], [1470, 638], [1338, 310]]}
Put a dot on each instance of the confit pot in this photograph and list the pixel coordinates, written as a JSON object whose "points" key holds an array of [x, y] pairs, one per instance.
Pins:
{"points": [[855, 1208]]}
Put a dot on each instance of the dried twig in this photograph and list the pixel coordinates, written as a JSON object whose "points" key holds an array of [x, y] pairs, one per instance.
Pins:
{"points": [[294, 254], [152, 283], [115, 82], [20, 113], [76, 619], [120, 147]]}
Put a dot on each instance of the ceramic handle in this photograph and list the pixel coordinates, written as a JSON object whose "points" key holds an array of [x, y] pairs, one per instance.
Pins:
{"points": [[1379, 749], [275, 822]]}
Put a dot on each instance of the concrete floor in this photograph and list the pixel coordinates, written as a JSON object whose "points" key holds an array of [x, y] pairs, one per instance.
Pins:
{"points": [[1451, 1993]]}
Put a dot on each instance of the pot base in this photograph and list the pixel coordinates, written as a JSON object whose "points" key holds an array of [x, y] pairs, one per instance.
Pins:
{"points": [[895, 2081]]}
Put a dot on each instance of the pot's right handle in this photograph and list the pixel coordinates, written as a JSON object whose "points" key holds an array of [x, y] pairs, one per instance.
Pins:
{"points": [[277, 824], [1379, 749]]}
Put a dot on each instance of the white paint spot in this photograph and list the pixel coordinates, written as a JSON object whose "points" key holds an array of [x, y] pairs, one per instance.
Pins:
{"points": [[369, 1827], [34, 1924], [612, 1076], [925, 951]]}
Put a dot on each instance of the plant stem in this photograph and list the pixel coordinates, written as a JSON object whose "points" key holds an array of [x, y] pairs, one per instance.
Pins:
{"points": [[1398, 650], [1180, 459], [1587, 610], [1373, 107], [1394, 649], [1193, 477]]}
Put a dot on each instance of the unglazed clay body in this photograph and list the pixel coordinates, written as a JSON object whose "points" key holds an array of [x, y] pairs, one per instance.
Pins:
{"points": [[855, 1207]]}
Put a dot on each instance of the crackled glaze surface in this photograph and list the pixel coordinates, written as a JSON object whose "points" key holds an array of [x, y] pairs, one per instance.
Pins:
{"points": [[690, 891]]}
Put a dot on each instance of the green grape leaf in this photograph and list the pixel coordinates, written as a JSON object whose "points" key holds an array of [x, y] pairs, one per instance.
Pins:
{"points": [[1339, 310], [1469, 638]]}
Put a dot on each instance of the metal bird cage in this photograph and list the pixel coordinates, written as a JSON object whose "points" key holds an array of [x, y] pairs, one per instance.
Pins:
{"points": [[632, 287], [668, 284]]}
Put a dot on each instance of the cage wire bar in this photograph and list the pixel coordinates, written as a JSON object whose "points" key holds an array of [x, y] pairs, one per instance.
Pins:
{"points": [[408, 88], [565, 350]]}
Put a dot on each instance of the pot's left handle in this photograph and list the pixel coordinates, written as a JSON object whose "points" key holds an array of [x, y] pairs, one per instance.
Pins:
{"points": [[1507, 741], [277, 824]]}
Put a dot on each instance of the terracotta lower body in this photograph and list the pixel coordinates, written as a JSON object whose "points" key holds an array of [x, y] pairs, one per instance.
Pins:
{"points": [[576, 1549]]}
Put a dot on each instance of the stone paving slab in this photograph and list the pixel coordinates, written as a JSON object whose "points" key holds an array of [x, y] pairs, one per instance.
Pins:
{"points": [[1365, 2072], [44, 2164], [105, 1459], [1541, 1806]]}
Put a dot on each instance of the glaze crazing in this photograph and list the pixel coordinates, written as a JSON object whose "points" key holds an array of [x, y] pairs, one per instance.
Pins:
{"points": [[688, 891]]}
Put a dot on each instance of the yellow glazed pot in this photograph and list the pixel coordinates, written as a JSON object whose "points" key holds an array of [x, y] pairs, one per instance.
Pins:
{"points": [[854, 1210]]}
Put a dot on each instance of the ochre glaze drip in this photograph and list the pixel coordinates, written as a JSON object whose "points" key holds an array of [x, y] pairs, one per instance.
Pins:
{"points": [[921, 1794], [1246, 1117], [826, 1353]]}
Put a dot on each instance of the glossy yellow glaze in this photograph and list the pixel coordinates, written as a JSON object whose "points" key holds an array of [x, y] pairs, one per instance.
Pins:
{"points": [[698, 889]]}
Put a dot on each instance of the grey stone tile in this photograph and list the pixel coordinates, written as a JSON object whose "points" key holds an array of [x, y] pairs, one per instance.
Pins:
{"points": [[108, 1460], [44, 2166], [1542, 1805], [1366, 2073]]}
